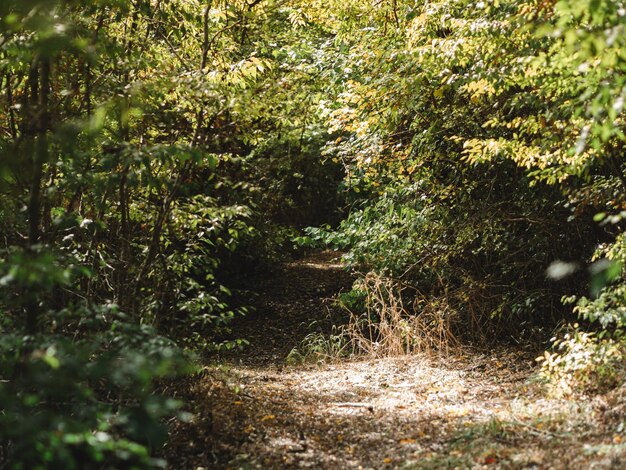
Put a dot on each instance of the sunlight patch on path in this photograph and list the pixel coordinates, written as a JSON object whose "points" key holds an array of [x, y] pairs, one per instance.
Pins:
{"points": [[469, 410], [412, 413]]}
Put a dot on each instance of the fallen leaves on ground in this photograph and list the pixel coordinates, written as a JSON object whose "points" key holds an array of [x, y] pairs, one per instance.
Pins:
{"points": [[470, 410]]}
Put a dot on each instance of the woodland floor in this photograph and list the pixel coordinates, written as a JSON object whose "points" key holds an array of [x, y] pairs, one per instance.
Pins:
{"points": [[471, 409]]}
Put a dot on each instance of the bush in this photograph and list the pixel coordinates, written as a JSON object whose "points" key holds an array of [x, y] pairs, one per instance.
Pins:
{"points": [[85, 400], [584, 361], [387, 328], [77, 379], [385, 234]]}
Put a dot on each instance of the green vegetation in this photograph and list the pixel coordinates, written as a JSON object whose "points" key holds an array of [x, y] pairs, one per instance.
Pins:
{"points": [[483, 143], [151, 153], [467, 157]]}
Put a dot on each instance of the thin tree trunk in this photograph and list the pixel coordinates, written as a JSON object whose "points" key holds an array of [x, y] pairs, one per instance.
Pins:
{"points": [[11, 113], [155, 239], [41, 154], [34, 204], [203, 64]]}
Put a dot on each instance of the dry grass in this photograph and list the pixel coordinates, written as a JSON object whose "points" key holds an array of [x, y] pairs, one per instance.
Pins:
{"points": [[388, 328]]}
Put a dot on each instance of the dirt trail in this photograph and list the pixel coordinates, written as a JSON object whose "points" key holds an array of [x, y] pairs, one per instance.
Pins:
{"points": [[292, 303], [472, 410]]}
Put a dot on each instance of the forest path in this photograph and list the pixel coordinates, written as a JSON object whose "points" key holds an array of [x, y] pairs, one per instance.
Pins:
{"points": [[470, 410]]}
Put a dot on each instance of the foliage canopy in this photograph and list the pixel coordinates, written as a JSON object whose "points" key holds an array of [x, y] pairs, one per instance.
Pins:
{"points": [[153, 153]]}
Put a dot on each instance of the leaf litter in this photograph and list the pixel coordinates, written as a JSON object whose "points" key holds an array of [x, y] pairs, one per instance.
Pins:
{"points": [[472, 409]]}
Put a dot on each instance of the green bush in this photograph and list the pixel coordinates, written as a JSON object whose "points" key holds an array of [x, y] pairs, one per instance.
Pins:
{"points": [[85, 399], [387, 233], [77, 379], [584, 361]]}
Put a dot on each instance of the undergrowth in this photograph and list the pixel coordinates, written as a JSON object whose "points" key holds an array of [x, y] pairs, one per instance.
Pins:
{"points": [[380, 325], [388, 328], [584, 361]]}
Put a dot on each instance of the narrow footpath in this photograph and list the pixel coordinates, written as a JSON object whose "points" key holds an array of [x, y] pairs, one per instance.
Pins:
{"points": [[469, 410]]}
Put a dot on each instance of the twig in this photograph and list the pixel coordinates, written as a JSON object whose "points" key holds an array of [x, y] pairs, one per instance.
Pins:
{"points": [[367, 406]]}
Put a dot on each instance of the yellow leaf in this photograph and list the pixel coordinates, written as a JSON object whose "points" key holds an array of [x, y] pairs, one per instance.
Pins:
{"points": [[407, 441], [238, 402], [268, 417], [387, 460]]}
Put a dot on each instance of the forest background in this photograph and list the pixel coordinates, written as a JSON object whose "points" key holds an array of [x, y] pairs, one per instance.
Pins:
{"points": [[154, 154]]}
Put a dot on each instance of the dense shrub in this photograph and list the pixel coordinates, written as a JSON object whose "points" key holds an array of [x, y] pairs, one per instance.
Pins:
{"points": [[480, 140]]}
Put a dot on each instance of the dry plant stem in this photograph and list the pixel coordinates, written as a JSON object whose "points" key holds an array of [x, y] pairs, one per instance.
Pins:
{"points": [[388, 329]]}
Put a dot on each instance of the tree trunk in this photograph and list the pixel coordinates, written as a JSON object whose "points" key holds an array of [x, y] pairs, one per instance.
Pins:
{"points": [[34, 203]]}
